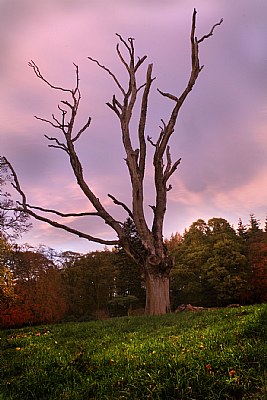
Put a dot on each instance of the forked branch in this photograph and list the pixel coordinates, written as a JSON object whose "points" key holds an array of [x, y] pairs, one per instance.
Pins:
{"points": [[68, 130], [162, 149], [124, 108], [195, 70]]}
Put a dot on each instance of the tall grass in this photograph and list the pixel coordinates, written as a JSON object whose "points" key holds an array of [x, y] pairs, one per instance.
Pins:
{"points": [[218, 354]]}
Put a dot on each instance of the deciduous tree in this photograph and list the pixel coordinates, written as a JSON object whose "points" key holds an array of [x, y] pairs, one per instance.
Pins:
{"points": [[256, 250], [154, 259], [38, 293], [13, 221], [90, 283], [210, 266], [7, 293]]}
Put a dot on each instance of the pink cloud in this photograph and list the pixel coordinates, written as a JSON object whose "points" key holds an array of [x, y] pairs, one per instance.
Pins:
{"points": [[221, 134]]}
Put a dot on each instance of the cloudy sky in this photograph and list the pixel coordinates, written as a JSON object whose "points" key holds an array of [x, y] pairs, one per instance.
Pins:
{"points": [[221, 135]]}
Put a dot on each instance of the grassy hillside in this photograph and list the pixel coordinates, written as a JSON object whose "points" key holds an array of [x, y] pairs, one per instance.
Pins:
{"points": [[218, 354]]}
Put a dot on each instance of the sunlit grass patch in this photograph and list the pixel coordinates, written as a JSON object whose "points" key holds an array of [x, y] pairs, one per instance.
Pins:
{"points": [[196, 355]]}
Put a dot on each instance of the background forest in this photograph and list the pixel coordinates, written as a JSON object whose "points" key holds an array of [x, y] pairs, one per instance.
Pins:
{"points": [[215, 265]]}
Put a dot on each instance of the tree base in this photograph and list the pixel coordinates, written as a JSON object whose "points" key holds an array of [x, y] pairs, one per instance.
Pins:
{"points": [[157, 294]]}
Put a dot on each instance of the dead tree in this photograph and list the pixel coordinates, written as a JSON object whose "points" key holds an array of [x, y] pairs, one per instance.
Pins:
{"points": [[153, 258]]}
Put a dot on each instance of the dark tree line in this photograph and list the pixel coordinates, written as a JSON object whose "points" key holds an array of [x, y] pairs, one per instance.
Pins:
{"points": [[214, 265]]}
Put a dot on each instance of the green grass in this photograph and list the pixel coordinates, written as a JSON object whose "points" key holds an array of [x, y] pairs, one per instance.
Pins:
{"points": [[218, 354]]}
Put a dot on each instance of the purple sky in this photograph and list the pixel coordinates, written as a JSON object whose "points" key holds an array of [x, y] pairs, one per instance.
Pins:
{"points": [[221, 134]]}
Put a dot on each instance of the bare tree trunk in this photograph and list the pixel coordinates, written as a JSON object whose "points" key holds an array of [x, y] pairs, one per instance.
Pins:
{"points": [[157, 294]]}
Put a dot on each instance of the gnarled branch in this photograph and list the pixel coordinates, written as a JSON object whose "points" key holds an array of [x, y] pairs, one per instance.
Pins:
{"points": [[110, 73], [86, 125], [123, 205], [211, 31], [40, 76], [25, 207], [66, 228], [59, 145], [64, 215]]}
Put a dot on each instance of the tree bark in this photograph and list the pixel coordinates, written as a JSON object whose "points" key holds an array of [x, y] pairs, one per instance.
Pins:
{"points": [[157, 294]]}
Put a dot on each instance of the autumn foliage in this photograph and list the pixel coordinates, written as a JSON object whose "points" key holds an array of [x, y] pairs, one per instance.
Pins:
{"points": [[38, 296], [214, 265]]}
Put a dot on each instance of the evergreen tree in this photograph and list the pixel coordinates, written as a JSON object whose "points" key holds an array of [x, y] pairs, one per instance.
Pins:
{"points": [[254, 225]]}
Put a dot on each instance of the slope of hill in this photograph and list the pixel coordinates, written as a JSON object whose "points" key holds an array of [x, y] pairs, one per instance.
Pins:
{"points": [[215, 354]]}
